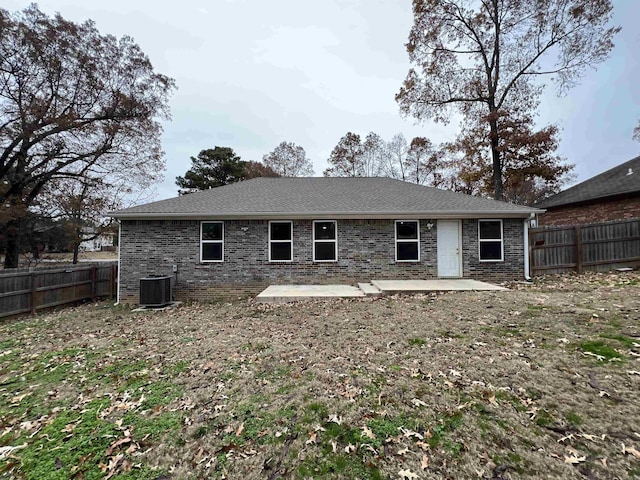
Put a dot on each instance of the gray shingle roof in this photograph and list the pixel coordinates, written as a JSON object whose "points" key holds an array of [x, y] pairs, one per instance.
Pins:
{"points": [[616, 181], [324, 198]]}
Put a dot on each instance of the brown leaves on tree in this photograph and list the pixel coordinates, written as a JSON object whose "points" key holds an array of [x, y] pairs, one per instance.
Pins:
{"points": [[529, 166], [482, 58], [97, 117]]}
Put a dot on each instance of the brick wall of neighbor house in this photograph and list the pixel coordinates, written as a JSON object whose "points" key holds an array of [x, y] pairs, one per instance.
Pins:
{"points": [[366, 250], [603, 211]]}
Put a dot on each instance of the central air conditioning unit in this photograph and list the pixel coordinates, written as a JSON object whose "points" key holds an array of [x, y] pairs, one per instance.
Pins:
{"points": [[155, 291]]}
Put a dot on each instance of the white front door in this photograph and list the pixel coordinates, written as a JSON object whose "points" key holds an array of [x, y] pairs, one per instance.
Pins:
{"points": [[449, 255]]}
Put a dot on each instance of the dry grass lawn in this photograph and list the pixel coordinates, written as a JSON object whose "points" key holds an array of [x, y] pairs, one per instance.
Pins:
{"points": [[541, 381]]}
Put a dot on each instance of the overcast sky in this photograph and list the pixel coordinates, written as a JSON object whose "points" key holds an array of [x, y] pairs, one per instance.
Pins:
{"points": [[254, 73]]}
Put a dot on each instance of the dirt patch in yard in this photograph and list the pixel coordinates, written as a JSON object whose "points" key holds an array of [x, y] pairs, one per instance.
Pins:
{"points": [[540, 381]]}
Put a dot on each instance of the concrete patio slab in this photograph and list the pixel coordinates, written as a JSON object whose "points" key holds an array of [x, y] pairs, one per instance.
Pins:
{"points": [[290, 293], [437, 285]]}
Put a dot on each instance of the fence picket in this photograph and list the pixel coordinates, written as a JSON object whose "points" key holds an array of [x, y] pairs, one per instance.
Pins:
{"points": [[599, 247], [24, 292]]}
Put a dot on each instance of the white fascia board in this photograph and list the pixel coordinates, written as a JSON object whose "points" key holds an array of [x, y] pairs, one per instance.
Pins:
{"points": [[326, 215]]}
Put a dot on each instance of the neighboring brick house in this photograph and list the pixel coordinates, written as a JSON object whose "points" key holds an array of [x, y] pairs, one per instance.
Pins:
{"points": [[612, 195], [240, 238]]}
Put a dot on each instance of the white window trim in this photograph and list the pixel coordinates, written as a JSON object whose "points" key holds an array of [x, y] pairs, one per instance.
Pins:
{"points": [[281, 241], [406, 240], [202, 242], [334, 241], [480, 240]]}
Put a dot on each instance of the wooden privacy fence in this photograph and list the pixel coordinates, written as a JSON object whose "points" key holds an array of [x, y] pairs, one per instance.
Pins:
{"points": [[599, 247], [29, 291]]}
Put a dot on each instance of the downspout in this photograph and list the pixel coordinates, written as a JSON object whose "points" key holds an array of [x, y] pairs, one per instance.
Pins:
{"points": [[119, 247], [527, 277]]}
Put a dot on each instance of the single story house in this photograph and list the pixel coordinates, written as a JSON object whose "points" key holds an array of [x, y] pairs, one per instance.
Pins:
{"points": [[102, 241], [240, 238], [610, 196]]}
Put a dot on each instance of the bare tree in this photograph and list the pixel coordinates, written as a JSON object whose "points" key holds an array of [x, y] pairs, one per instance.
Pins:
{"points": [[346, 157], [422, 164], [636, 133], [373, 157], [483, 58], [72, 101], [396, 157], [82, 203], [289, 160]]}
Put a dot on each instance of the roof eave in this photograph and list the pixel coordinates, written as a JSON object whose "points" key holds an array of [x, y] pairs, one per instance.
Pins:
{"points": [[328, 215], [609, 197]]}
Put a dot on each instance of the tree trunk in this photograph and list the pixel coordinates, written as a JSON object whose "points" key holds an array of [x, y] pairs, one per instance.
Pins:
{"points": [[35, 249], [76, 250], [498, 188], [12, 245]]}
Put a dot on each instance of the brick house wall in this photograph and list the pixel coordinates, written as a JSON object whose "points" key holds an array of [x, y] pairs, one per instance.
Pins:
{"points": [[605, 210], [366, 250]]}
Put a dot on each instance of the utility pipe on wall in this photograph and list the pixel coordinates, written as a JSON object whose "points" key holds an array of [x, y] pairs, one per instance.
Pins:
{"points": [[527, 277]]}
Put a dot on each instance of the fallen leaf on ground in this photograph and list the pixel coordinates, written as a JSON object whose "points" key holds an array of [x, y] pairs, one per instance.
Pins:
{"points": [[423, 445], [574, 460], [116, 444], [312, 438], [407, 474], [114, 463], [410, 433], [5, 451], [19, 398], [335, 419], [631, 451], [207, 366], [368, 433]]}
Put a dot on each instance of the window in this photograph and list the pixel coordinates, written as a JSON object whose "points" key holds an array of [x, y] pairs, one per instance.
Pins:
{"points": [[407, 241], [280, 241], [211, 241], [490, 240], [325, 243]]}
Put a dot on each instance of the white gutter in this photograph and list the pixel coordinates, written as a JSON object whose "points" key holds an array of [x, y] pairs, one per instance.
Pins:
{"points": [[527, 276], [119, 247], [324, 215]]}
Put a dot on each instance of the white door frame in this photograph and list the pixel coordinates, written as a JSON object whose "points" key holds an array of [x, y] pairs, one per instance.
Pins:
{"points": [[459, 227]]}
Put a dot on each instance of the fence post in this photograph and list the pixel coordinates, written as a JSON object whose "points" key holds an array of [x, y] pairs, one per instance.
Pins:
{"points": [[110, 282], [32, 297], [578, 231], [93, 282]]}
